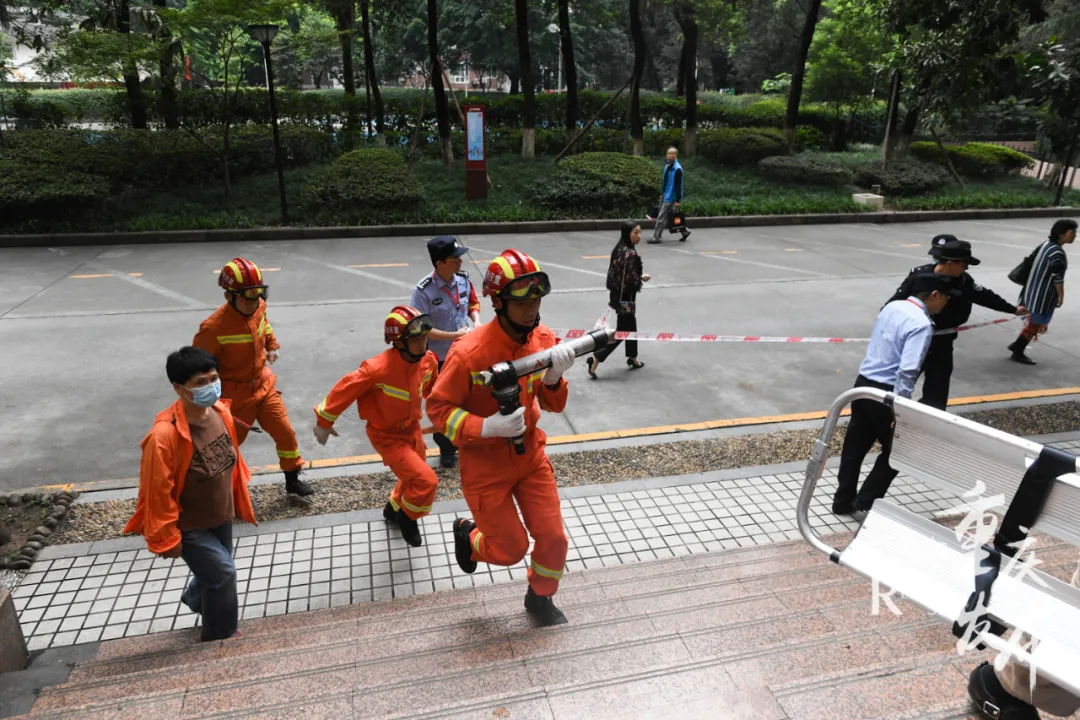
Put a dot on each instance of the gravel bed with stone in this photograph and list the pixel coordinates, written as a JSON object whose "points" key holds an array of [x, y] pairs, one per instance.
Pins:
{"points": [[105, 520]]}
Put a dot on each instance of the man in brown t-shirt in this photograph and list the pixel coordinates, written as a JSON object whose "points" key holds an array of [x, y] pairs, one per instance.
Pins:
{"points": [[192, 483]]}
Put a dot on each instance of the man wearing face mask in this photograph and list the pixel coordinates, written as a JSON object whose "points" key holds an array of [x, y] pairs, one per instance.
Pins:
{"points": [[240, 336], [493, 475], [388, 390], [192, 483]]}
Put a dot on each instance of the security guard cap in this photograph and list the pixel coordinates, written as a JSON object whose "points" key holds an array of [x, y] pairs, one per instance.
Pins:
{"points": [[445, 247]]}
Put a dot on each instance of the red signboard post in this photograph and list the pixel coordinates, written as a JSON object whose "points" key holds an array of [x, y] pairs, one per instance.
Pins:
{"points": [[475, 153]]}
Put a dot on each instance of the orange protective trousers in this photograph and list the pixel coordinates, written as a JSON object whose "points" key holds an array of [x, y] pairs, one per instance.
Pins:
{"points": [[499, 537], [405, 454], [272, 417]]}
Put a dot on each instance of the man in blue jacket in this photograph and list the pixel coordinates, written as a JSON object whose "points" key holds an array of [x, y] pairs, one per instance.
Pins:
{"points": [[671, 198]]}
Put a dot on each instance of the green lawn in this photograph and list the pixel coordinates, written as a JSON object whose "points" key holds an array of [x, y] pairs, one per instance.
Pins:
{"points": [[710, 191]]}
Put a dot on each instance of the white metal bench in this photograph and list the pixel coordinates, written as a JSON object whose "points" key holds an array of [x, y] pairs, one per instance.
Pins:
{"points": [[930, 566]]}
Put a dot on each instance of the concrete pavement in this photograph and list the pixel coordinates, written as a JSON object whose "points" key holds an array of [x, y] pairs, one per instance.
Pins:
{"points": [[86, 330]]}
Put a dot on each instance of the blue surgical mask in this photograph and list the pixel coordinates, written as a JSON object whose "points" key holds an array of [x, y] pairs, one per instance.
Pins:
{"points": [[206, 395]]}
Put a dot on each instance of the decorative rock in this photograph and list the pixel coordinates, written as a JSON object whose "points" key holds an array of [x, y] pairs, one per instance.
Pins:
{"points": [[51, 523], [21, 564], [30, 497], [58, 512], [34, 545], [36, 537], [13, 500], [42, 531], [29, 552]]}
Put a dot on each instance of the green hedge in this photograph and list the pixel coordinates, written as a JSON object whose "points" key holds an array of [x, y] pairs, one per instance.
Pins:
{"points": [[802, 170], [597, 181], [330, 108], [373, 179], [974, 159], [740, 146], [904, 177], [29, 192]]}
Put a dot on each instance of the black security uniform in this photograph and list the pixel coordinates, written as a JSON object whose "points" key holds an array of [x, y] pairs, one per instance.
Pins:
{"points": [[938, 365]]}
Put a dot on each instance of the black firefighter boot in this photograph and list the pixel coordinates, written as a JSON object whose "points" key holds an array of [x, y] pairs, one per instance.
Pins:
{"points": [[1017, 349], [389, 513], [543, 609], [410, 529], [295, 486], [992, 700]]}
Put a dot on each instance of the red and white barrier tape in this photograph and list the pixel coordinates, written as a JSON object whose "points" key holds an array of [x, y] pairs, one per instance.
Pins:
{"points": [[570, 334]]}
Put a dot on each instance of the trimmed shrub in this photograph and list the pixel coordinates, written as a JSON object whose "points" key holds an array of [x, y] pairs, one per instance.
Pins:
{"points": [[974, 159], [803, 170], [371, 179], [903, 177], [600, 181], [30, 191], [740, 146]]}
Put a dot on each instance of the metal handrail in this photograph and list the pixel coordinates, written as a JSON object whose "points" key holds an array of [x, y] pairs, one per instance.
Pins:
{"points": [[816, 465]]}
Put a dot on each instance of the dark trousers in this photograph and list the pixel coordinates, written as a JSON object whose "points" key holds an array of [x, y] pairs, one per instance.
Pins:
{"points": [[937, 372], [623, 323], [447, 449], [212, 590], [870, 421]]}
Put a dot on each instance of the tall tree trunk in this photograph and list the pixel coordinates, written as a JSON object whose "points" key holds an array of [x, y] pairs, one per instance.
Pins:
{"points": [[795, 94], [911, 124], [680, 81], [690, 33], [345, 21], [169, 104], [1065, 163], [528, 86], [515, 83], [638, 37], [892, 117], [566, 40], [442, 109], [136, 101], [373, 78]]}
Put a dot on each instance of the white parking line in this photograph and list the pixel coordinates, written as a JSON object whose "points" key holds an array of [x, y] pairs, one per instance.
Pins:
{"points": [[357, 271], [726, 258], [152, 287], [547, 262]]}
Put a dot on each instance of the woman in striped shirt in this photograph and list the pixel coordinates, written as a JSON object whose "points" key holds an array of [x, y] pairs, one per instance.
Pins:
{"points": [[1045, 288]]}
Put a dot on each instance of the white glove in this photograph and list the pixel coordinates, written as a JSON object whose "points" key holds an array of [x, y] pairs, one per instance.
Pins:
{"points": [[271, 356], [322, 434], [507, 426], [562, 359]]}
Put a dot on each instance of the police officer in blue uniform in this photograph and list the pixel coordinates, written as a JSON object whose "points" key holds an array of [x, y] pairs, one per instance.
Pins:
{"points": [[449, 298]]}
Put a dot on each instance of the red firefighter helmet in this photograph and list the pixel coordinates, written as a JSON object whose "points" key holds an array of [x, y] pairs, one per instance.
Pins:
{"points": [[517, 276], [243, 277], [404, 323]]}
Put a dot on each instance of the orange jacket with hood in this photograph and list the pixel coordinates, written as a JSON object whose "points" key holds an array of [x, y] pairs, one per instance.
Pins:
{"points": [[386, 389], [166, 456], [240, 344]]}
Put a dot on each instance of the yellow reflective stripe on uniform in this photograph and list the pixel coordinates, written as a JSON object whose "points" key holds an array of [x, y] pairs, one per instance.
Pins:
{"points": [[288, 453], [545, 572], [476, 542], [532, 380], [234, 339], [394, 392], [454, 423], [321, 412], [415, 508], [424, 382], [394, 503], [477, 378], [264, 326]]}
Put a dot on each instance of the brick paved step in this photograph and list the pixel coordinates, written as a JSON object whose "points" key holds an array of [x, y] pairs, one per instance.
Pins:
{"points": [[746, 619]]}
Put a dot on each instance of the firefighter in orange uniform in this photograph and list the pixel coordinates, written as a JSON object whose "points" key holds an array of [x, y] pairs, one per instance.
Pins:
{"points": [[387, 390], [240, 336], [493, 475]]}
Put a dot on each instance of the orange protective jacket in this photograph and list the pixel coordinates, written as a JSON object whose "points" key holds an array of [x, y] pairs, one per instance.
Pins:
{"points": [[387, 391], [166, 456], [240, 344], [459, 402]]}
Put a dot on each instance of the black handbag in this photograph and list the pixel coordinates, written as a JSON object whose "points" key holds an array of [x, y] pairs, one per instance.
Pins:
{"points": [[1021, 272], [676, 221]]}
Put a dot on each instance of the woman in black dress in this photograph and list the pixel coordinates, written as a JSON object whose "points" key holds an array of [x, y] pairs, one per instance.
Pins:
{"points": [[624, 281]]}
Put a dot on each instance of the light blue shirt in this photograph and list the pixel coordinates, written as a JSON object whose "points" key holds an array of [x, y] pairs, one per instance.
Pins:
{"points": [[898, 345], [436, 298]]}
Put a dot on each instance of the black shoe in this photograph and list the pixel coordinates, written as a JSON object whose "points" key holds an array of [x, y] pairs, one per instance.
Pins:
{"points": [[463, 545], [592, 363], [654, 242], [447, 461], [295, 486], [847, 509], [992, 700], [1021, 358], [684, 236], [543, 609], [389, 513], [634, 363], [410, 530]]}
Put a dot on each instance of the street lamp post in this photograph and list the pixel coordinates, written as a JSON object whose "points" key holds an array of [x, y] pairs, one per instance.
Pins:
{"points": [[554, 30], [264, 35]]}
